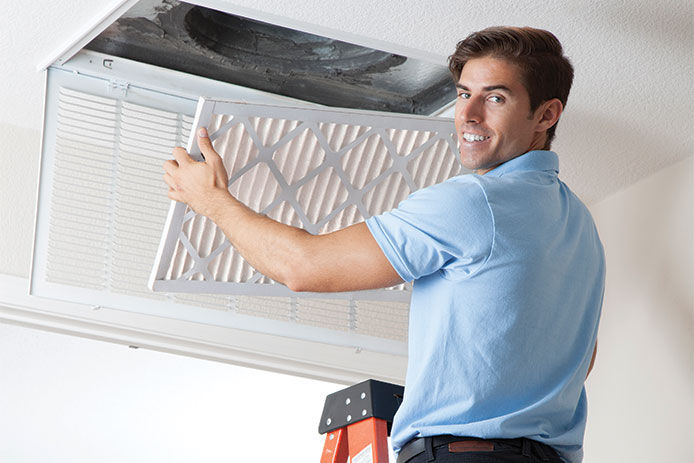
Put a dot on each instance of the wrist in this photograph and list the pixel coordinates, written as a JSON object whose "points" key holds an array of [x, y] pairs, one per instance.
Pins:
{"points": [[219, 204]]}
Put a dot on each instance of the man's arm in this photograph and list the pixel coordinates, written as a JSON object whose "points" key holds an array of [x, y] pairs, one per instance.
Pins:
{"points": [[345, 260]]}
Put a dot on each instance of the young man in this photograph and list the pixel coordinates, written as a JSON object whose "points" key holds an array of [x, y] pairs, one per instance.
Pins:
{"points": [[507, 265]]}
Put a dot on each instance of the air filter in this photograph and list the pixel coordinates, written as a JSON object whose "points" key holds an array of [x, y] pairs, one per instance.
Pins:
{"points": [[318, 169]]}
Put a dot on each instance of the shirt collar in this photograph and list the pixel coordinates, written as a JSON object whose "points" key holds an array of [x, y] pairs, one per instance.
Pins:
{"points": [[532, 160]]}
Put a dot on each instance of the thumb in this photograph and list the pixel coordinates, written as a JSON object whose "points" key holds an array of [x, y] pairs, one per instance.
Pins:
{"points": [[211, 157], [205, 145]]}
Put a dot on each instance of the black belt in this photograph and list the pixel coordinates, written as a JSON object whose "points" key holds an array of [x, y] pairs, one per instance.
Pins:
{"points": [[417, 445]]}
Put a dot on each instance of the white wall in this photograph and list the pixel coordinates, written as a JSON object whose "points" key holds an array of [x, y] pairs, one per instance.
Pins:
{"points": [[641, 392], [65, 399]]}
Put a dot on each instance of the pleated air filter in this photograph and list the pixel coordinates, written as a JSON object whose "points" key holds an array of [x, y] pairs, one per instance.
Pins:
{"points": [[318, 169]]}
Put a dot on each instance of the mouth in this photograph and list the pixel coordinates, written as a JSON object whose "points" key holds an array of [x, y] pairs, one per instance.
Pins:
{"points": [[474, 138]]}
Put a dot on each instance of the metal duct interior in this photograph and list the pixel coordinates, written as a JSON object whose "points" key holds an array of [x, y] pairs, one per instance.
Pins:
{"points": [[253, 54]]}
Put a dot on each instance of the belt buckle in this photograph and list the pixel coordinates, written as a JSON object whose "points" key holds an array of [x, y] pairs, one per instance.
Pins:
{"points": [[462, 446]]}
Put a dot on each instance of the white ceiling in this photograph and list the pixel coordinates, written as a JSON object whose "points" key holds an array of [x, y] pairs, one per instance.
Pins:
{"points": [[629, 114]]}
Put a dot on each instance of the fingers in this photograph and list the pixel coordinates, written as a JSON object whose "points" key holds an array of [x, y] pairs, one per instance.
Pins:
{"points": [[170, 182], [205, 145], [170, 167], [169, 170], [211, 156], [174, 195], [181, 156], [174, 191], [195, 175]]}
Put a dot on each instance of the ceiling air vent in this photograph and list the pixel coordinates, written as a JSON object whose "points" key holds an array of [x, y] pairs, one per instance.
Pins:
{"points": [[113, 112]]}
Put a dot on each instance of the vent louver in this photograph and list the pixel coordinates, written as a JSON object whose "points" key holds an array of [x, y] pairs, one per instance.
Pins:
{"points": [[107, 202]]}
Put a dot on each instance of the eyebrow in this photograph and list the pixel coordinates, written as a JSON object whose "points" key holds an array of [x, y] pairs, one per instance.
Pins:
{"points": [[489, 88]]}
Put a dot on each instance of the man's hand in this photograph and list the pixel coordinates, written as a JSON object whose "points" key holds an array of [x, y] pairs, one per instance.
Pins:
{"points": [[201, 185]]}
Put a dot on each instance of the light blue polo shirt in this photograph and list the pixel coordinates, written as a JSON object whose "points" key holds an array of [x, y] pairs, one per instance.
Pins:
{"points": [[508, 274]]}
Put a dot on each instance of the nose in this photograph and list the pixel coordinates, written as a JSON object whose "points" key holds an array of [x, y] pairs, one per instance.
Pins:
{"points": [[471, 111]]}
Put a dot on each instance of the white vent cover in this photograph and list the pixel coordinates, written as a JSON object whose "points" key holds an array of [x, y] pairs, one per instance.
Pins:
{"points": [[318, 169], [102, 205]]}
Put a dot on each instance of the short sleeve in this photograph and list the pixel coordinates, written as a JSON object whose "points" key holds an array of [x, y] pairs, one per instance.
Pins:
{"points": [[447, 227]]}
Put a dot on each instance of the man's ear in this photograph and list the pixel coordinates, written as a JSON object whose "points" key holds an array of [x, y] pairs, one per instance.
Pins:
{"points": [[548, 113]]}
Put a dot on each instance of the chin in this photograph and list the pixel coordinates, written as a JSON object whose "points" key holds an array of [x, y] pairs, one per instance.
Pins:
{"points": [[471, 163]]}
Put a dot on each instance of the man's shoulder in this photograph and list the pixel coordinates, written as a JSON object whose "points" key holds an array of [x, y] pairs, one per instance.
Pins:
{"points": [[465, 184], [460, 190]]}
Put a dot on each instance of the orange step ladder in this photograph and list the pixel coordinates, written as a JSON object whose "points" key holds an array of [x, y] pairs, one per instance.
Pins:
{"points": [[357, 422]]}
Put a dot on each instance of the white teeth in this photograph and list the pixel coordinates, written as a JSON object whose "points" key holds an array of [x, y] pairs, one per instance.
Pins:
{"points": [[472, 137]]}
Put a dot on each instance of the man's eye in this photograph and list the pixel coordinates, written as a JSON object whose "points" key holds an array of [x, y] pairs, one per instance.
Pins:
{"points": [[496, 99], [464, 96]]}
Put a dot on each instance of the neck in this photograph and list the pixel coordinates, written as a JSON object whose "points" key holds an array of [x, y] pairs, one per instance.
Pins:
{"points": [[537, 143]]}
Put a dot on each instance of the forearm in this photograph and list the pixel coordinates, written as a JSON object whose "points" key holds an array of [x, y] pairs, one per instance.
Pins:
{"points": [[346, 260], [274, 249]]}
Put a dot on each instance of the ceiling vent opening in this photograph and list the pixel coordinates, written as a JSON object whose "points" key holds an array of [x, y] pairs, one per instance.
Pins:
{"points": [[275, 59], [112, 116]]}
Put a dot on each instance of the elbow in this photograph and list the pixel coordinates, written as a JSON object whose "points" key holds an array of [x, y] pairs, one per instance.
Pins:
{"points": [[297, 274], [298, 283], [305, 270], [305, 276], [300, 277], [296, 286], [294, 283]]}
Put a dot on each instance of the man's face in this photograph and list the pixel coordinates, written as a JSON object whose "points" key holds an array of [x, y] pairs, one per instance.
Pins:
{"points": [[492, 115]]}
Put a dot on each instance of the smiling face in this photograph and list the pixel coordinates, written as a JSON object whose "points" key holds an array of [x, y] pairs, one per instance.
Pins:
{"points": [[492, 115]]}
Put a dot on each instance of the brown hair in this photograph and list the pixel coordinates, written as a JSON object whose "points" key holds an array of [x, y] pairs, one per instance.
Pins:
{"points": [[545, 72]]}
